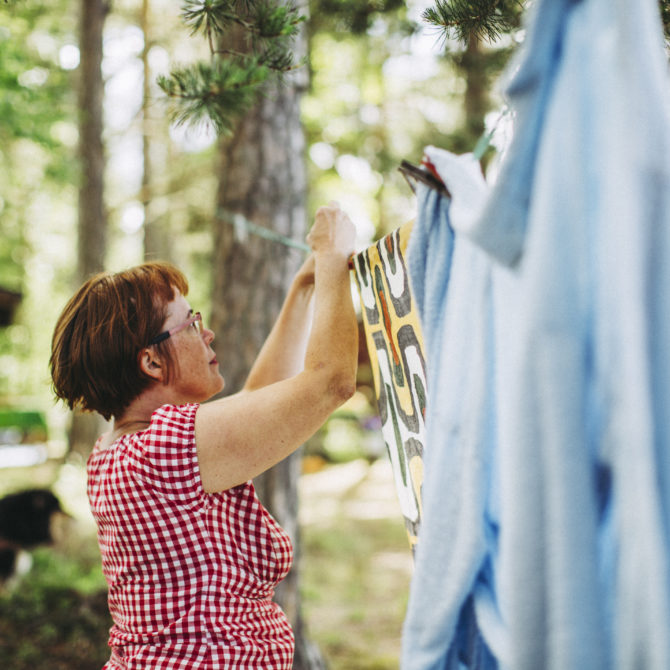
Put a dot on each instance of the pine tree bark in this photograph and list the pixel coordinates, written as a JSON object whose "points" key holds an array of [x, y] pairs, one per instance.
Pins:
{"points": [[92, 217], [263, 179]]}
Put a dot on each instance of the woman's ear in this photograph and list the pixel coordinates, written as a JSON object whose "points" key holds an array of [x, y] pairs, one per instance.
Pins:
{"points": [[150, 364]]}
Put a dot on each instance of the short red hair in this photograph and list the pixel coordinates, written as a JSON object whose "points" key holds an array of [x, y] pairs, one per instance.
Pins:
{"points": [[101, 331]]}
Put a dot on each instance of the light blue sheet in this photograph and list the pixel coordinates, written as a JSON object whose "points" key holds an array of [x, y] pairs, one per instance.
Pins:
{"points": [[455, 532], [547, 485]]}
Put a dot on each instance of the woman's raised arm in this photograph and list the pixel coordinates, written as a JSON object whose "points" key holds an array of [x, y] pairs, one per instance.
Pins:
{"points": [[283, 354], [240, 436]]}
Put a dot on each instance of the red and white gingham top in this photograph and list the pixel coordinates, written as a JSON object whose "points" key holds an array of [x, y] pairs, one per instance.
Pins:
{"points": [[191, 575]]}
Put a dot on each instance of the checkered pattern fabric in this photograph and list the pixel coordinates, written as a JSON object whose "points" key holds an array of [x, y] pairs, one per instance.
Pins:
{"points": [[191, 575]]}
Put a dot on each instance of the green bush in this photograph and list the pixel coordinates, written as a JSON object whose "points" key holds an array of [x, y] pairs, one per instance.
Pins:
{"points": [[56, 618], [31, 424]]}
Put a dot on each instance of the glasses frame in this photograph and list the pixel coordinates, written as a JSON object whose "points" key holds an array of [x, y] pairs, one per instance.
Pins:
{"points": [[161, 337]]}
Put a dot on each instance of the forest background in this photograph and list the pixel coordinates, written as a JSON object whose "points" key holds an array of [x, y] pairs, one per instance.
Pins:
{"points": [[94, 175]]}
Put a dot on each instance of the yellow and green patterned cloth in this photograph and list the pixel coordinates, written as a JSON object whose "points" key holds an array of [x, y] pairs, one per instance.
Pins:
{"points": [[395, 347]]}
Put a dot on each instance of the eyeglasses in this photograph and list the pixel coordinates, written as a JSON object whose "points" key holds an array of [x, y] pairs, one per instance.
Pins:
{"points": [[195, 321]]}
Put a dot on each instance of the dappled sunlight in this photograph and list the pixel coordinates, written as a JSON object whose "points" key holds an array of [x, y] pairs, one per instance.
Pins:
{"points": [[357, 564], [356, 490]]}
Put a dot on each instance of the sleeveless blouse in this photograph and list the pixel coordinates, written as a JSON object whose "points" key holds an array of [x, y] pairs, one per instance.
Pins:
{"points": [[191, 575]]}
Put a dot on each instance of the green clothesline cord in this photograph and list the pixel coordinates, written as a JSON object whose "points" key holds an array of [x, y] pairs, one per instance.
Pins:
{"points": [[242, 226], [484, 141]]}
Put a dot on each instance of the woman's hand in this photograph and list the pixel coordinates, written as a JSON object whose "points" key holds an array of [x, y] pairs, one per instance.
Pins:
{"points": [[332, 231]]}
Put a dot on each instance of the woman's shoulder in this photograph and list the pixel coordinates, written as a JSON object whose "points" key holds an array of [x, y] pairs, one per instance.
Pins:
{"points": [[174, 414], [167, 421], [171, 424]]}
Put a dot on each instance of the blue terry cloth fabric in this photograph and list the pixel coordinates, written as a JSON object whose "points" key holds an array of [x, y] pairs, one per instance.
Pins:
{"points": [[453, 581], [531, 75], [568, 568], [583, 361], [429, 262]]}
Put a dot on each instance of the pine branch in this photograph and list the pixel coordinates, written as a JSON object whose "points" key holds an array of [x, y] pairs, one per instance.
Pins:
{"points": [[490, 19], [665, 17], [272, 21], [230, 83], [210, 16], [276, 58], [481, 19], [266, 19], [217, 91]]}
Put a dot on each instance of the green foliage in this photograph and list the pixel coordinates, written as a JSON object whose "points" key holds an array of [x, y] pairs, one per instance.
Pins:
{"points": [[30, 424], [211, 17], [353, 16], [56, 625], [37, 138], [378, 98], [56, 617], [262, 20], [249, 42], [33, 86]]}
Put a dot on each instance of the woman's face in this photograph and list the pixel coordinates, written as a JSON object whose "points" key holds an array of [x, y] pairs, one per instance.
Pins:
{"points": [[196, 375]]}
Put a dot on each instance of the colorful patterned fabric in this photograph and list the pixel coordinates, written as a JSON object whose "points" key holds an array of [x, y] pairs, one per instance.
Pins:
{"points": [[191, 575], [395, 346]]}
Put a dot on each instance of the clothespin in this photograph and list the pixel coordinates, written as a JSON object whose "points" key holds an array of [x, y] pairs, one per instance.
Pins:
{"points": [[240, 227], [426, 175]]}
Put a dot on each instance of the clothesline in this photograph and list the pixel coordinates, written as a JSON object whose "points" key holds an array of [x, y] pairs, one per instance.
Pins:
{"points": [[427, 174], [243, 227], [484, 140]]}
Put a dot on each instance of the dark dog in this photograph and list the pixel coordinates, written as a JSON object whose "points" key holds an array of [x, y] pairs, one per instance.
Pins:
{"points": [[25, 522]]}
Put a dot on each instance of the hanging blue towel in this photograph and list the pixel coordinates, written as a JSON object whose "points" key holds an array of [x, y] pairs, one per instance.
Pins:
{"points": [[546, 535], [453, 579]]}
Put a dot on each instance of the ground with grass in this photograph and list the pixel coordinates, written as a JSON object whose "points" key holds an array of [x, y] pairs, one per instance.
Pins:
{"points": [[356, 566]]}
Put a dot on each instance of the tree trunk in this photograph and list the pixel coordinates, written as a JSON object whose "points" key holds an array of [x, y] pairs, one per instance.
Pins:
{"points": [[92, 217], [157, 238], [92, 239], [262, 178], [476, 100]]}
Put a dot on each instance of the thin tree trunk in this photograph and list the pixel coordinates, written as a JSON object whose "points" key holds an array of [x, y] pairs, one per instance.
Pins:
{"points": [[146, 129], [92, 241], [263, 179], [92, 217], [476, 100], [157, 238]]}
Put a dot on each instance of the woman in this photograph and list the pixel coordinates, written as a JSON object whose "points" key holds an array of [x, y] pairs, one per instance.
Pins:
{"points": [[190, 555]]}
